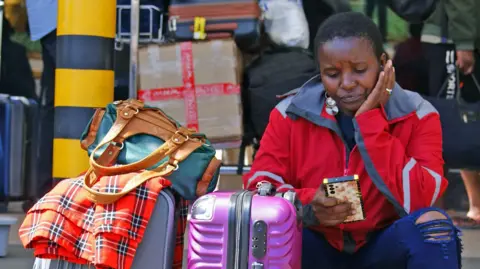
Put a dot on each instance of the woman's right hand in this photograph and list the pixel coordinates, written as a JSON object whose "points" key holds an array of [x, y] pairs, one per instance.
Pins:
{"points": [[330, 211]]}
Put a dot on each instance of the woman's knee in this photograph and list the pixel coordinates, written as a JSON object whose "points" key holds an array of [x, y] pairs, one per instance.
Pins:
{"points": [[435, 225], [431, 215], [440, 236]]}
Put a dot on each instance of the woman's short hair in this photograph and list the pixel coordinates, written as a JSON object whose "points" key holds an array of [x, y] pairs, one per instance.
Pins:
{"points": [[350, 24]]}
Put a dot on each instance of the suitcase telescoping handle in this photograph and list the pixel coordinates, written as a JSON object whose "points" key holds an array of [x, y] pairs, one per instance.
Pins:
{"points": [[267, 189], [292, 197], [134, 36]]}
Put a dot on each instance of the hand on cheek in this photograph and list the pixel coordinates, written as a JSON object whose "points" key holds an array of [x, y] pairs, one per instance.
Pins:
{"points": [[382, 90]]}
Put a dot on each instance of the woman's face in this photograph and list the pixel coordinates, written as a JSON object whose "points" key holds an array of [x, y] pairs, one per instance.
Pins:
{"points": [[349, 71]]}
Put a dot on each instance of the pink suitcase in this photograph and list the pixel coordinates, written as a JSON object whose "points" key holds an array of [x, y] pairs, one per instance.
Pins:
{"points": [[246, 230]]}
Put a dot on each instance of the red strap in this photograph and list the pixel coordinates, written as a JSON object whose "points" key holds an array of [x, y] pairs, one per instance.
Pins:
{"points": [[190, 98]]}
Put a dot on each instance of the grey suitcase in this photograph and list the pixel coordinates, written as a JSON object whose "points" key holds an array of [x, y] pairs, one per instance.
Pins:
{"points": [[20, 152], [18, 131], [5, 116], [156, 249], [32, 147]]}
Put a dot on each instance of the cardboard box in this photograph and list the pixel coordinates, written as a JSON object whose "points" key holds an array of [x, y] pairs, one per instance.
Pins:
{"points": [[230, 156], [229, 183], [197, 84]]}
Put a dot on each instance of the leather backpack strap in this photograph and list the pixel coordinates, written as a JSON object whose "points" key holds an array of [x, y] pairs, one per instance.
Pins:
{"points": [[129, 115], [124, 116], [92, 131], [169, 147], [108, 198], [125, 113]]}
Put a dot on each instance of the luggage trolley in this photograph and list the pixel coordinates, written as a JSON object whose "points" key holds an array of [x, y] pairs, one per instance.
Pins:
{"points": [[157, 246], [134, 33], [153, 31]]}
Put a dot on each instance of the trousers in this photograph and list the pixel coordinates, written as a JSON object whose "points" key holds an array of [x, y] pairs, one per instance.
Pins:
{"points": [[402, 245], [49, 44]]}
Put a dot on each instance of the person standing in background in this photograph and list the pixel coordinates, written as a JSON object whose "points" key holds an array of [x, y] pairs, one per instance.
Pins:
{"points": [[451, 38], [16, 76], [42, 18], [410, 64], [317, 11], [382, 15]]}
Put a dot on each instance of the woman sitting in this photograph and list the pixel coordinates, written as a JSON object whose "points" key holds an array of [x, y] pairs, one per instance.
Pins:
{"points": [[358, 121]]}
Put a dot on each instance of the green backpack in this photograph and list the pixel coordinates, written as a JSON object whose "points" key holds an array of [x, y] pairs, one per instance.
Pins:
{"points": [[128, 136]]}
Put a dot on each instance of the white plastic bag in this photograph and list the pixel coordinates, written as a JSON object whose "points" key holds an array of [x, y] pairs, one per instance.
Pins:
{"points": [[285, 23]]}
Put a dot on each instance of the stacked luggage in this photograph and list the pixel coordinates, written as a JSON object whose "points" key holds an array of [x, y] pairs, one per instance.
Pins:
{"points": [[195, 69], [213, 19], [19, 129]]}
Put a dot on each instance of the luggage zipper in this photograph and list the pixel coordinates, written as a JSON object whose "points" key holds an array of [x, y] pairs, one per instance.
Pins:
{"points": [[346, 158], [348, 242]]}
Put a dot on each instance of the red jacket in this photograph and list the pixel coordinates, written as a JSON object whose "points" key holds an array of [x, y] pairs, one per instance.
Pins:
{"points": [[398, 156]]}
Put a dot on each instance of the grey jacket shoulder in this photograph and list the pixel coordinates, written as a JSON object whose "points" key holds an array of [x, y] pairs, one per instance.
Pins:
{"points": [[295, 94], [284, 104], [422, 106]]}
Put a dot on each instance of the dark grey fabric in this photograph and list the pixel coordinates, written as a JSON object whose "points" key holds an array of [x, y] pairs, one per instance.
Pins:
{"points": [[309, 218]]}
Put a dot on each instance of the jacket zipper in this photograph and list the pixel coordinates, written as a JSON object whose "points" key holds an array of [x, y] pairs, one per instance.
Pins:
{"points": [[346, 156], [346, 159]]}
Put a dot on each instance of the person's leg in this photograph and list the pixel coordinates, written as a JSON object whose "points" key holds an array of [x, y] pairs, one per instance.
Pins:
{"points": [[49, 43], [471, 179], [436, 58], [426, 239], [382, 19], [435, 243], [370, 7], [317, 252], [315, 12]]}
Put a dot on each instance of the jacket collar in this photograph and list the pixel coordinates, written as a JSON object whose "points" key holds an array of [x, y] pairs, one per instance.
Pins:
{"points": [[309, 103]]}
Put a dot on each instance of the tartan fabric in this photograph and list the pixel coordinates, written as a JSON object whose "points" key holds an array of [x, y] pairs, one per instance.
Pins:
{"points": [[182, 210], [65, 224]]}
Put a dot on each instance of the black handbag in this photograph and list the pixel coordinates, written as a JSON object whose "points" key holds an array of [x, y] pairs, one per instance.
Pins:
{"points": [[460, 127], [413, 11]]}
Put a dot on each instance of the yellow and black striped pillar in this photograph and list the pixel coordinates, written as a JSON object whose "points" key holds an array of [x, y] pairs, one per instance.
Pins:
{"points": [[84, 78]]}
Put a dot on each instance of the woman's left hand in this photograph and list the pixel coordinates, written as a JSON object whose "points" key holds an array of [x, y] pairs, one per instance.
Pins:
{"points": [[380, 94]]}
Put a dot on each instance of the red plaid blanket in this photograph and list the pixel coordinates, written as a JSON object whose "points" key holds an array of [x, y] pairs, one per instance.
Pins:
{"points": [[182, 208], [65, 224]]}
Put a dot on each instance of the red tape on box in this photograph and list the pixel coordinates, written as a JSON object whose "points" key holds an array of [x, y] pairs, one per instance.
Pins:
{"points": [[189, 91]]}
